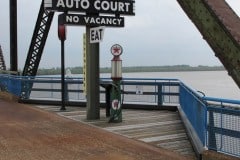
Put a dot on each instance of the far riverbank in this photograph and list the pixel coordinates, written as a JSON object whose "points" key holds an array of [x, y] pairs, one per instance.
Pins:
{"points": [[175, 68]]}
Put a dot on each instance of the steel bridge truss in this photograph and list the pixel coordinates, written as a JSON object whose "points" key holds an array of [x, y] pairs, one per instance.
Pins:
{"points": [[39, 38], [2, 62], [219, 26]]}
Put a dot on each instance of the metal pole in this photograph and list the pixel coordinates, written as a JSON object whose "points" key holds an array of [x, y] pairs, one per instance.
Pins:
{"points": [[92, 57], [108, 99], [63, 76], [13, 35]]}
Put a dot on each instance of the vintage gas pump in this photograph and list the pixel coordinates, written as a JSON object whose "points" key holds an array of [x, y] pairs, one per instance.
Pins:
{"points": [[116, 76]]}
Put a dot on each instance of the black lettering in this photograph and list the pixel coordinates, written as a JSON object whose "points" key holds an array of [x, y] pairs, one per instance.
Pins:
{"points": [[92, 35], [97, 35]]}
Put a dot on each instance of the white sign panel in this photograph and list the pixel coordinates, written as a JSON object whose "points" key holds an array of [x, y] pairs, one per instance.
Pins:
{"points": [[115, 104], [139, 89], [96, 34]]}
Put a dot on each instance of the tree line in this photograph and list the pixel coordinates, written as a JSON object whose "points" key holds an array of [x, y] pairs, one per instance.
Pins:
{"points": [[173, 68]]}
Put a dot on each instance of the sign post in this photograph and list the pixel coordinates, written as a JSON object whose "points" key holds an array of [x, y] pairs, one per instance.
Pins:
{"points": [[13, 36], [92, 57], [89, 17], [62, 38], [84, 65]]}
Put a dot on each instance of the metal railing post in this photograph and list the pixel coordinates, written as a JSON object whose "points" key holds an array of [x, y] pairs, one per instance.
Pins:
{"points": [[160, 95]]}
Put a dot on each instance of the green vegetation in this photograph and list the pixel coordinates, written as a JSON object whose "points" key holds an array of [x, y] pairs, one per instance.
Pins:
{"points": [[175, 68]]}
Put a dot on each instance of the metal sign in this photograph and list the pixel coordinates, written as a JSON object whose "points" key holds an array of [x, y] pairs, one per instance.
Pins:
{"points": [[139, 89], [116, 50], [123, 7], [77, 19], [96, 34], [115, 104]]}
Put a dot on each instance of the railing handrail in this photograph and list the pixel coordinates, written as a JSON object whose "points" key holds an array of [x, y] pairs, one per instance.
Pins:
{"points": [[221, 100]]}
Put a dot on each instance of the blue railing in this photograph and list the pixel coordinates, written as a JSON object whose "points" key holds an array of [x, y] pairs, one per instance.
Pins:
{"points": [[11, 84], [223, 125], [151, 91], [145, 91], [195, 110], [215, 122]]}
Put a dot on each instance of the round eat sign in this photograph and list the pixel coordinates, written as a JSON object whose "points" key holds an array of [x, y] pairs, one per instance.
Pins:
{"points": [[116, 50]]}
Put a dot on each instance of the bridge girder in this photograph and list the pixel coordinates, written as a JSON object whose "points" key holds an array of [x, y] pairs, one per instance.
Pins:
{"points": [[2, 62], [38, 41], [219, 26]]}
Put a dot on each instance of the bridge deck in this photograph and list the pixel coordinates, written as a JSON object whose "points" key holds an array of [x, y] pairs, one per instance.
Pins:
{"points": [[162, 129], [31, 133]]}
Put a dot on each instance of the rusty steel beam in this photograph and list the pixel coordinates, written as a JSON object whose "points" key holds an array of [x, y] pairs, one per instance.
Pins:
{"points": [[220, 27], [36, 48], [38, 41]]}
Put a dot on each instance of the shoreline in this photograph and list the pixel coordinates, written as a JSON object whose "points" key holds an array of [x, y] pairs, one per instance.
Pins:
{"points": [[175, 68]]}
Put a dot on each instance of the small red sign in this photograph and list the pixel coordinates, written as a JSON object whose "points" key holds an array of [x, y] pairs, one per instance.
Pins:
{"points": [[116, 50]]}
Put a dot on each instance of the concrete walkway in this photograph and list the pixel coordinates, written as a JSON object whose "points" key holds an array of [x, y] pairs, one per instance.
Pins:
{"points": [[31, 133]]}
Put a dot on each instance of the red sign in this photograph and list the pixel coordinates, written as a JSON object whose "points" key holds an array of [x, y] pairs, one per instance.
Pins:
{"points": [[116, 50]]}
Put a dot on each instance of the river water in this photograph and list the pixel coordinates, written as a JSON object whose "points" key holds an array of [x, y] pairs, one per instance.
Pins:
{"points": [[212, 83]]}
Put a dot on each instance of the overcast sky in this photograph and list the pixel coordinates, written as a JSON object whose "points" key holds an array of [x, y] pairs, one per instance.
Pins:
{"points": [[159, 34]]}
